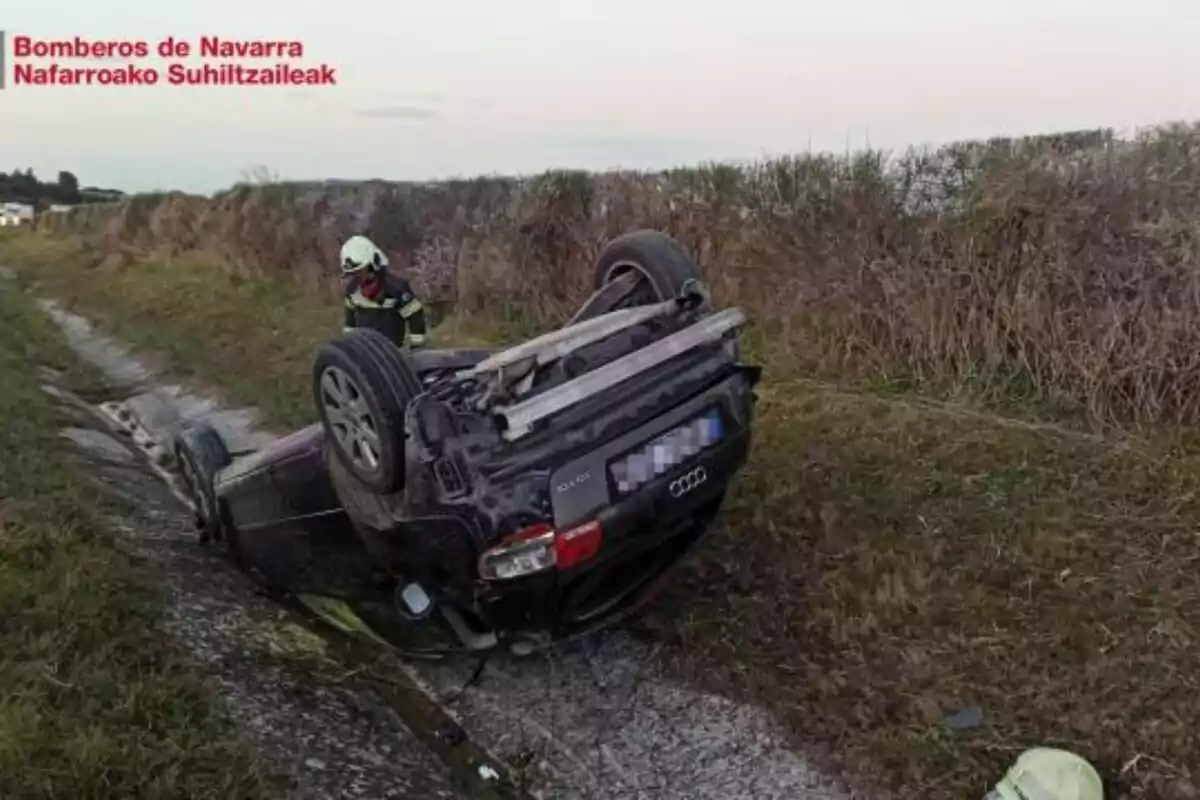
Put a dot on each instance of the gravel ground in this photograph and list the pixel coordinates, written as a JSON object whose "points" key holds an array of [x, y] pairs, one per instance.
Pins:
{"points": [[597, 721], [333, 742]]}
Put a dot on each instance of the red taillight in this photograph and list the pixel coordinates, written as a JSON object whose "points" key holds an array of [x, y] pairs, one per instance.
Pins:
{"points": [[539, 548], [577, 545]]}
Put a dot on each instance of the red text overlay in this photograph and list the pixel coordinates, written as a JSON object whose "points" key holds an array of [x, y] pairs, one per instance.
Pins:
{"points": [[207, 61]]}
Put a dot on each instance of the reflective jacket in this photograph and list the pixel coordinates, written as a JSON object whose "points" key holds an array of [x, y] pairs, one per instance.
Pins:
{"points": [[393, 310]]}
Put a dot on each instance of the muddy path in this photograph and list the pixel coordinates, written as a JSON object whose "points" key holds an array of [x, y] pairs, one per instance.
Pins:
{"points": [[597, 720]]}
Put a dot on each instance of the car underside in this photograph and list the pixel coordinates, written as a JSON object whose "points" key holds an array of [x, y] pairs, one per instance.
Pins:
{"points": [[520, 496]]}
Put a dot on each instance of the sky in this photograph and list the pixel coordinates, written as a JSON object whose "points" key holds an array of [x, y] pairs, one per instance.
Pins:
{"points": [[468, 87]]}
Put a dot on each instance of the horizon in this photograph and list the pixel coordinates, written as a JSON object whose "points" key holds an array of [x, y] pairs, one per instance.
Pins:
{"points": [[248, 176], [466, 89]]}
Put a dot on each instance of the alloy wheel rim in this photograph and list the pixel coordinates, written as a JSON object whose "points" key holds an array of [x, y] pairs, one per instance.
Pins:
{"points": [[350, 419]]}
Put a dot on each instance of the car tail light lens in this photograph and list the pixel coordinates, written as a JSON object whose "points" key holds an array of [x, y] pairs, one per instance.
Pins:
{"points": [[539, 548], [577, 545], [523, 553]]}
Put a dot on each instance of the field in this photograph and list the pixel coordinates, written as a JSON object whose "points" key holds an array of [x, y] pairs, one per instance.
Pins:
{"points": [[974, 483], [94, 704]]}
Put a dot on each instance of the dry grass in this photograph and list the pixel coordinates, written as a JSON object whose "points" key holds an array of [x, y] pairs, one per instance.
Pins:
{"points": [[1052, 270], [94, 704], [889, 560], [252, 337], [987, 502], [892, 562]]}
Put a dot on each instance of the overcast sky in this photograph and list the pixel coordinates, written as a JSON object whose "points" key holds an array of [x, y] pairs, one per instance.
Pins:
{"points": [[463, 87]]}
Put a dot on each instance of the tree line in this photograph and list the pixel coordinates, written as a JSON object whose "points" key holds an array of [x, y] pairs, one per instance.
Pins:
{"points": [[23, 186]]}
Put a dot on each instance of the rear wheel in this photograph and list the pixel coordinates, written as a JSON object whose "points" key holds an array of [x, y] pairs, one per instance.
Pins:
{"points": [[201, 454], [639, 268], [362, 384], [660, 266]]}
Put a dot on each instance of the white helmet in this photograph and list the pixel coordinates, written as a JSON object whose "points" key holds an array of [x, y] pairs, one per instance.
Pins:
{"points": [[359, 253], [1050, 773]]}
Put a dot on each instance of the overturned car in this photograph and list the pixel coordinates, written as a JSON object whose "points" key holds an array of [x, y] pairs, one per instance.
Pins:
{"points": [[522, 496]]}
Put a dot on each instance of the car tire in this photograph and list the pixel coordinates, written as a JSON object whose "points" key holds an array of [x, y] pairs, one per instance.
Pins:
{"points": [[201, 453], [362, 384], [664, 265]]}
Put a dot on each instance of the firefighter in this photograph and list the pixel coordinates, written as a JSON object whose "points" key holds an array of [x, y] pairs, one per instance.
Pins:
{"points": [[377, 298]]}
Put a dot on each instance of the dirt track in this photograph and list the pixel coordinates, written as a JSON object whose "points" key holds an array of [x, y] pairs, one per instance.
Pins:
{"points": [[332, 742], [596, 722]]}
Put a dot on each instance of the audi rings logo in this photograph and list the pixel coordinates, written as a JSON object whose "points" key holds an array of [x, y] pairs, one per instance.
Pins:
{"points": [[687, 482]]}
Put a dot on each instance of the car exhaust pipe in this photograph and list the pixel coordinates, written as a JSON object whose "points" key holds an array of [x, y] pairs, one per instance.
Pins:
{"points": [[474, 642], [413, 603]]}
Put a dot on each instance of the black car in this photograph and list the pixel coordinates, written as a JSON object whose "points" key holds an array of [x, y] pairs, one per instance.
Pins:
{"points": [[529, 494]]}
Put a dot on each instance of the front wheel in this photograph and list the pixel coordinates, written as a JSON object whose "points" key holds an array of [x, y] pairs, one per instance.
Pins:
{"points": [[201, 454]]}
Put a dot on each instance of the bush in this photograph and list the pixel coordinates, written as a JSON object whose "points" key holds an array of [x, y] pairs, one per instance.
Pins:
{"points": [[1049, 268]]}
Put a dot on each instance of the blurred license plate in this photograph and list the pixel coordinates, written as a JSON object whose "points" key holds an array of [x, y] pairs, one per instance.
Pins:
{"points": [[666, 451]]}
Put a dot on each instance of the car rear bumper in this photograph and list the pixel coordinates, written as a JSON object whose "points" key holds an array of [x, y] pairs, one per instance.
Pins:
{"points": [[645, 535], [586, 487]]}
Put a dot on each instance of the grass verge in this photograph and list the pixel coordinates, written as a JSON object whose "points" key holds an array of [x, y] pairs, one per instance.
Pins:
{"points": [[94, 704], [889, 562], [250, 337]]}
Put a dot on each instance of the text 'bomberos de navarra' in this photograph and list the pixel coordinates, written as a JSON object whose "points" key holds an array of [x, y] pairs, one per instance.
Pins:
{"points": [[209, 61]]}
